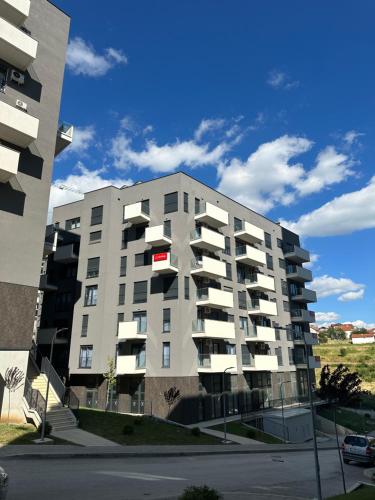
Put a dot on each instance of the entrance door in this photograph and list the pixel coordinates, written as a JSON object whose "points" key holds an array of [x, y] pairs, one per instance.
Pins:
{"points": [[137, 392]]}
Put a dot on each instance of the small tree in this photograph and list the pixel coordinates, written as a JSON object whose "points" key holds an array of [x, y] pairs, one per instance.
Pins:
{"points": [[341, 385], [171, 397], [13, 380], [111, 377]]}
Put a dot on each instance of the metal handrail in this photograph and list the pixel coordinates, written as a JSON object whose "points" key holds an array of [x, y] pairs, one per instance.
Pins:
{"points": [[34, 399], [54, 378], [71, 400]]}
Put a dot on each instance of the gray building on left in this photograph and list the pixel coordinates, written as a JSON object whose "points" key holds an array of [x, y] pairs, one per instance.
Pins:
{"points": [[33, 43]]}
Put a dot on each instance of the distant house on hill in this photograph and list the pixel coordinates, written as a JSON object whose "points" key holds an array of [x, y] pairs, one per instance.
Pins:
{"points": [[348, 328], [363, 338]]}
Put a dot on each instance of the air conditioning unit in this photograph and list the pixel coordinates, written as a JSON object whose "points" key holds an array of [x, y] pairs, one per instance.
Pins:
{"points": [[21, 105], [17, 77]]}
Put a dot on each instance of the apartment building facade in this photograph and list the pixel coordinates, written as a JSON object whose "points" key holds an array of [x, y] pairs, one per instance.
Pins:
{"points": [[33, 41], [179, 285]]}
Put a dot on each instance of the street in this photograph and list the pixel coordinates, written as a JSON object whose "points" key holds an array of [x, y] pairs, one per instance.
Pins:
{"points": [[279, 476]]}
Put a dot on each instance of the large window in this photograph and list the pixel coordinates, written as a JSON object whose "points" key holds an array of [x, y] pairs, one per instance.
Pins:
{"points": [[269, 261], [73, 223], [123, 265], [85, 356], [141, 318], [279, 354], [244, 325], [93, 267], [166, 361], [96, 215], [242, 299], [187, 287], [95, 236], [170, 287], [166, 320], [85, 325], [171, 202], [140, 292], [228, 270], [227, 246], [91, 295], [268, 240], [186, 203], [121, 294], [142, 259]]}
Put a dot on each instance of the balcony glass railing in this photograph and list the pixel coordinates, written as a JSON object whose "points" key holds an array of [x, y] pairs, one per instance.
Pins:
{"points": [[203, 293], [140, 361], [66, 128], [204, 360]]}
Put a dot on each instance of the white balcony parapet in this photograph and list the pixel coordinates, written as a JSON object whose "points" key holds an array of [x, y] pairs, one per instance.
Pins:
{"points": [[15, 11], [164, 263], [247, 232], [213, 329], [260, 362], [260, 334], [247, 254], [208, 268], [17, 47], [131, 365], [217, 363], [260, 282], [214, 297], [262, 307], [9, 160], [16, 126], [211, 215], [129, 330], [157, 236], [137, 213], [202, 237], [64, 138], [314, 362]]}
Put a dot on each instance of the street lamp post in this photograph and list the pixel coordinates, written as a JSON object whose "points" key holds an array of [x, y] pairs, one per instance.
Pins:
{"points": [[282, 404], [224, 405], [42, 436]]}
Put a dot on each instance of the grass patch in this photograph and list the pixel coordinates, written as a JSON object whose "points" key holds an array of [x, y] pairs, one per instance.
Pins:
{"points": [[22, 434], [241, 430], [151, 431], [350, 419], [363, 493]]}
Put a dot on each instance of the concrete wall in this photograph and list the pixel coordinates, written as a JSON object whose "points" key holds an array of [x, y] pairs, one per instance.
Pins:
{"points": [[11, 359]]}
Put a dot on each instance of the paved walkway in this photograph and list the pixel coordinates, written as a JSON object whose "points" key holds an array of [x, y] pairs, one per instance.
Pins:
{"points": [[230, 437], [83, 438]]}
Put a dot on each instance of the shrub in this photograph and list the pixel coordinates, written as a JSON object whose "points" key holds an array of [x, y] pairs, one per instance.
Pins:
{"points": [[367, 415], [196, 431], [47, 429], [138, 421], [343, 352], [250, 434], [200, 493], [127, 430]]}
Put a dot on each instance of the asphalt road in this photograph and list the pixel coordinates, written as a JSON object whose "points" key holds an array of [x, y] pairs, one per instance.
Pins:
{"points": [[282, 476]]}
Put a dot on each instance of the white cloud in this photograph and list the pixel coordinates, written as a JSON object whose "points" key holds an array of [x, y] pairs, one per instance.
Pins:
{"points": [[351, 137], [280, 80], [361, 324], [344, 288], [344, 214], [314, 257], [148, 129], [82, 59], [83, 139], [326, 317], [84, 181], [208, 125]]}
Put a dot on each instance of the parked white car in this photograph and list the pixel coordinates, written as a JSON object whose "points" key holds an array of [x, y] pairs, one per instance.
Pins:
{"points": [[358, 449]]}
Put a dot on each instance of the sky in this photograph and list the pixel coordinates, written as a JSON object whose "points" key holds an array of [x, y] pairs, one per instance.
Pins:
{"points": [[270, 102]]}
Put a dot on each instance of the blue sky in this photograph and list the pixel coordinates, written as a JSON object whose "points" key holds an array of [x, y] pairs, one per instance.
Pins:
{"points": [[271, 102]]}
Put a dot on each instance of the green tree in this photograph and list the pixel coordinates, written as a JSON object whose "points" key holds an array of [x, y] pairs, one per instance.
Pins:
{"points": [[111, 378], [335, 333], [341, 385]]}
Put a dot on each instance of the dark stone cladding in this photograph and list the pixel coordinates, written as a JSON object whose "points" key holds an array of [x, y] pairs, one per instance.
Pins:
{"points": [[17, 305]]}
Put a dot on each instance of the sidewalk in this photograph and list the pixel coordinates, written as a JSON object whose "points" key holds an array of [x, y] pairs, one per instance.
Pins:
{"points": [[83, 438]]}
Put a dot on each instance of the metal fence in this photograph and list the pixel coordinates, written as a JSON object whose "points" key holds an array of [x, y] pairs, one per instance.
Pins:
{"points": [[35, 400]]}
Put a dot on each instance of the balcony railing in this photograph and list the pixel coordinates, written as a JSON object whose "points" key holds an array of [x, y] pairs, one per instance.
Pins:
{"points": [[15, 11], [210, 328], [296, 254], [211, 214], [17, 47], [208, 239], [250, 255], [302, 315], [208, 267], [298, 273], [247, 232]]}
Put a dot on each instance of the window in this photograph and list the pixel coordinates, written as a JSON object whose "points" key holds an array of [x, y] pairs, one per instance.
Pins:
{"points": [[237, 224], [85, 356], [168, 228], [93, 267], [269, 261], [244, 325], [267, 240], [242, 302], [63, 301], [279, 243], [186, 203], [91, 294], [279, 354], [186, 287], [95, 236], [72, 223], [166, 363], [166, 320], [140, 232], [171, 202], [228, 269], [140, 292], [123, 265], [121, 294], [96, 215], [141, 318], [282, 264], [284, 287], [85, 324], [120, 319], [286, 305], [142, 259], [124, 239], [170, 287], [197, 205], [291, 355], [227, 246], [145, 206]]}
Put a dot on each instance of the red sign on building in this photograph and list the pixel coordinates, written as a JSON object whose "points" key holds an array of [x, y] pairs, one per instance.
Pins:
{"points": [[160, 256]]}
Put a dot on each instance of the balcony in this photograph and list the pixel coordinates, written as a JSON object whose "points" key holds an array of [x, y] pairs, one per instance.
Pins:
{"points": [[214, 297], [45, 285], [250, 256], [248, 233], [65, 254], [262, 307], [314, 362], [300, 337], [8, 163], [298, 273], [216, 363], [260, 334], [296, 254], [303, 295], [16, 46], [158, 236], [137, 213], [15, 11], [300, 359], [164, 263], [260, 363], [129, 330], [302, 315], [207, 267], [202, 237], [213, 329], [64, 137], [16, 126], [260, 282], [211, 214], [131, 365]]}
